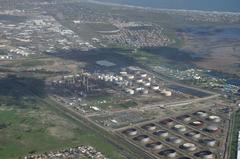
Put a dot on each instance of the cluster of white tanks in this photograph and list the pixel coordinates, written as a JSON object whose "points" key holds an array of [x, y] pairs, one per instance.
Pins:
{"points": [[134, 82], [194, 136], [110, 78], [212, 119], [163, 151]]}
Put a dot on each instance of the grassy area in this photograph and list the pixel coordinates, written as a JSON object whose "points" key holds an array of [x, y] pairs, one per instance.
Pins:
{"points": [[29, 125], [233, 135], [144, 57], [32, 62], [2, 52], [38, 130], [109, 102]]}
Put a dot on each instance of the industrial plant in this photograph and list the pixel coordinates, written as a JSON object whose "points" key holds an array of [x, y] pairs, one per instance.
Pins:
{"points": [[193, 135]]}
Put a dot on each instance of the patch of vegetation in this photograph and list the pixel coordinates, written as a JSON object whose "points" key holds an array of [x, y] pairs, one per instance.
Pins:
{"points": [[32, 62], [128, 104], [3, 52], [110, 102], [233, 135], [144, 57], [29, 124], [39, 130]]}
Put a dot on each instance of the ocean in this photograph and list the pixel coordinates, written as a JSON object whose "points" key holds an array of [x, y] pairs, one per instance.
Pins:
{"points": [[204, 5]]}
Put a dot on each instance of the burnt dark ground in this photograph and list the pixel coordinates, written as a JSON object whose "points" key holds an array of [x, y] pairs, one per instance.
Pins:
{"points": [[90, 57], [174, 54], [18, 91]]}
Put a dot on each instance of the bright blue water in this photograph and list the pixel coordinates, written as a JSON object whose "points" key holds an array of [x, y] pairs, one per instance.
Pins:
{"points": [[206, 5]]}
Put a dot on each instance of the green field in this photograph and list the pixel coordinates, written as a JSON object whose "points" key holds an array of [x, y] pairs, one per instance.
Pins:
{"points": [[111, 102], [39, 130], [233, 135], [30, 124]]}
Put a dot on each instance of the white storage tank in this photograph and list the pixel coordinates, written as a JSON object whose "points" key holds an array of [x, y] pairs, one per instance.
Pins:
{"points": [[123, 73], [166, 93], [155, 87], [130, 91], [138, 89], [188, 147], [147, 84], [131, 77], [215, 119], [143, 75], [139, 80]]}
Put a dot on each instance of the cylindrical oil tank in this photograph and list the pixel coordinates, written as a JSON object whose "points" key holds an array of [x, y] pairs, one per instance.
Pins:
{"points": [[201, 114], [184, 158], [142, 138], [215, 119], [193, 134], [171, 153], [130, 131], [123, 73], [139, 80], [143, 75], [155, 145], [130, 91], [212, 128], [185, 118], [155, 87], [205, 155], [197, 123], [179, 128], [161, 133], [209, 142], [149, 127], [188, 146], [173, 139], [147, 84], [166, 93], [130, 77], [145, 91], [168, 122]]}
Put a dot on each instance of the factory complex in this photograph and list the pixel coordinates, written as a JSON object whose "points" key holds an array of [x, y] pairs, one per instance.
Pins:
{"points": [[159, 117]]}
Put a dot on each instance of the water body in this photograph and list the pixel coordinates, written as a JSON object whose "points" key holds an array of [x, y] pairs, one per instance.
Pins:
{"points": [[217, 32], [235, 82], [204, 5], [189, 91]]}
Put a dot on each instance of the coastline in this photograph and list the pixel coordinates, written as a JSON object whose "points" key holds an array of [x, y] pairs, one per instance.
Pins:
{"points": [[164, 10]]}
